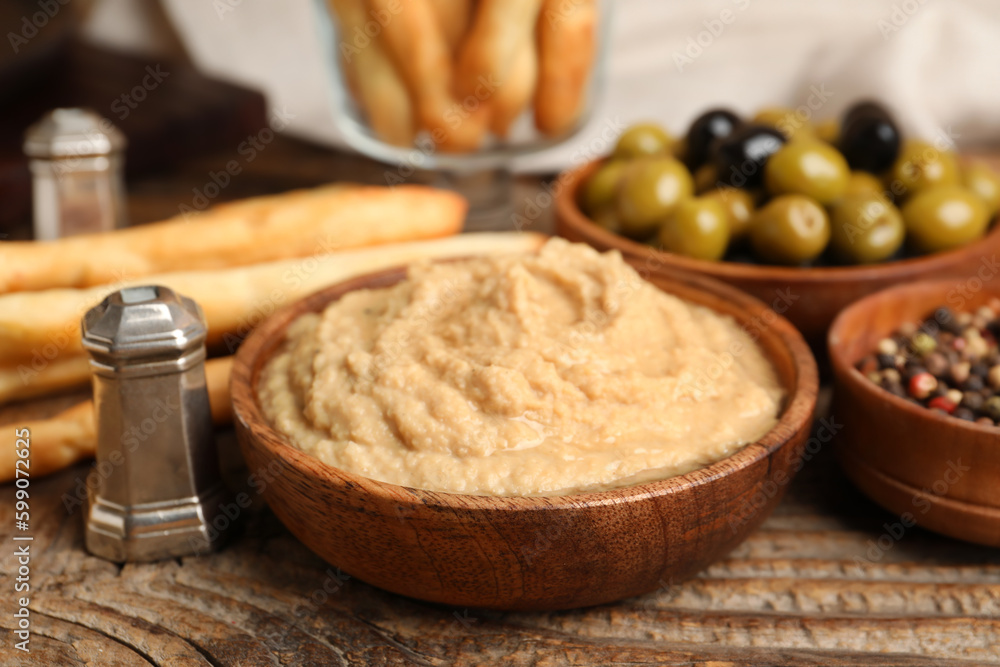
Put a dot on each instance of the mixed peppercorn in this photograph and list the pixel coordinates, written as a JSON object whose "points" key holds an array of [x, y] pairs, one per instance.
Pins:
{"points": [[949, 363]]}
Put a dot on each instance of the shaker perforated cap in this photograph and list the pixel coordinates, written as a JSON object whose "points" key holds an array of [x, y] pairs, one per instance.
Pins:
{"points": [[72, 133], [146, 322]]}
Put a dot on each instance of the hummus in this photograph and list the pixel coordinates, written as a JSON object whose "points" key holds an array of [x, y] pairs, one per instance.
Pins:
{"points": [[544, 374]]}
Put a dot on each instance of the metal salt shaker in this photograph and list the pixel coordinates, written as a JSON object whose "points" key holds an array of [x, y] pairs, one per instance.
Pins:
{"points": [[159, 487], [76, 173]]}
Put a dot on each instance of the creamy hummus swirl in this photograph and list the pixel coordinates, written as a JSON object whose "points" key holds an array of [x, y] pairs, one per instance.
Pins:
{"points": [[545, 374]]}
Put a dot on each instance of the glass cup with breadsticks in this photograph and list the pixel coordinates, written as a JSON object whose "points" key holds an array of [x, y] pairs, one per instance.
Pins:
{"points": [[461, 87]]}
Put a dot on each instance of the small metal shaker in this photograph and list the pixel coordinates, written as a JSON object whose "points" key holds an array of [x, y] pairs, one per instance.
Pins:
{"points": [[76, 173], [159, 487]]}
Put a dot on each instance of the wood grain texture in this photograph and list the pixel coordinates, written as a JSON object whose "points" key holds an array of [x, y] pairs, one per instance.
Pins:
{"points": [[817, 294], [531, 552], [942, 472], [802, 590]]}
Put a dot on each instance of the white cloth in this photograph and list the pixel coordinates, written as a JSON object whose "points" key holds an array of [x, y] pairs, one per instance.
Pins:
{"points": [[935, 63]]}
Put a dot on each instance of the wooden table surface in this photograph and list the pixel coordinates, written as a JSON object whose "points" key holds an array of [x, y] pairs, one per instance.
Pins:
{"points": [[829, 579]]}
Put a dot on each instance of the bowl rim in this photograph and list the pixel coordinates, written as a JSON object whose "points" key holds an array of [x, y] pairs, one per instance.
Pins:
{"points": [[845, 372], [570, 211], [796, 415]]}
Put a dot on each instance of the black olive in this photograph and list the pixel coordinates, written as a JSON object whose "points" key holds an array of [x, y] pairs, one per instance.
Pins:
{"points": [[707, 128], [869, 138], [740, 157], [864, 108]]}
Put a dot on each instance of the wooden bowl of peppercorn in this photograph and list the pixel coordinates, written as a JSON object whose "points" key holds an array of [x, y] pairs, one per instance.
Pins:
{"points": [[917, 387]]}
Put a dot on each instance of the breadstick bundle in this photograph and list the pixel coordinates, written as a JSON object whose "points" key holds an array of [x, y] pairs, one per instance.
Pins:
{"points": [[40, 346], [283, 244], [459, 70]]}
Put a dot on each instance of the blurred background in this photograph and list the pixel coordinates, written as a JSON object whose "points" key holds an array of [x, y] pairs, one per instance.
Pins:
{"points": [[184, 79]]}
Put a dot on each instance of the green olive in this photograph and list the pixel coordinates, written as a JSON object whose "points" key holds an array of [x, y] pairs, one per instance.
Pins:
{"points": [[648, 192], [944, 217], [863, 183], [739, 206], [921, 166], [599, 191], [787, 121], [791, 229], [643, 139], [985, 183], [807, 167], [828, 130], [697, 228], [866, 228], [706, 177]]}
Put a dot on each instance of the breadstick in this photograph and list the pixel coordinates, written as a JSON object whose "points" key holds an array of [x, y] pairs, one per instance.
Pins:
{"points": [[56, 442], [345, 54], [490, 47], [514, 93], [261, 229], [349, 69], [459, 127], [453, 17], [418, 48], [417, 45], [217, 373], [566, 49], [41, 376], [233, 300], [386, 99], [382, 94], [71, 435]]}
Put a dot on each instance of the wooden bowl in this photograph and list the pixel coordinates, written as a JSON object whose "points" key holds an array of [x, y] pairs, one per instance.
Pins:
{"points": [[809, 297], [528, 552], [931, 469]]}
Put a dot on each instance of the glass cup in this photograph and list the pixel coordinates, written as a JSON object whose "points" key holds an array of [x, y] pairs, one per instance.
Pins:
{"points": [[457, 89]]}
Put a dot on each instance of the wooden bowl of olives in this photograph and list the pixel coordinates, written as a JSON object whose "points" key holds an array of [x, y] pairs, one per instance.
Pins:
{"points": [[931, 459], [807, 218]]}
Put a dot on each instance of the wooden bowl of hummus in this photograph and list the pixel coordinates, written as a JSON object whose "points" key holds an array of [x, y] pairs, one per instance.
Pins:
{"points": [[809, 297], [547, 431]]}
